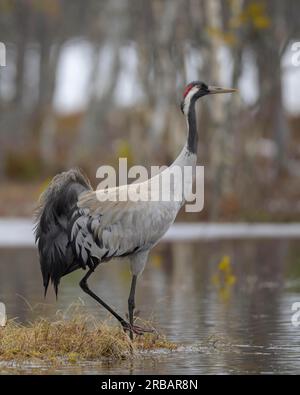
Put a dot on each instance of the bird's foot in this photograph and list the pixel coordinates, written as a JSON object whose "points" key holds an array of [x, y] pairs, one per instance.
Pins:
{"points": [[142, 330], [136, 329]]}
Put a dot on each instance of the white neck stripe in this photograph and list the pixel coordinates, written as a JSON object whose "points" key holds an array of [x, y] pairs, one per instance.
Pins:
{"points": [[188, 98]]}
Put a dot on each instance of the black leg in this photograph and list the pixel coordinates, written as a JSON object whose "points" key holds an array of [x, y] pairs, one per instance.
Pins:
{"points": [[84, 286], [131, 303]]}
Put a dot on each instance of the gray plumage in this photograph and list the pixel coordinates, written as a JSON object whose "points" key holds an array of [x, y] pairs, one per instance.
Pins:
{"points": [[75, 230]]}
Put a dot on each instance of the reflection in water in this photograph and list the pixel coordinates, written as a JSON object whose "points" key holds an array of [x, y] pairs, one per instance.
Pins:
{"points": [[224, 279], [182, 290]]}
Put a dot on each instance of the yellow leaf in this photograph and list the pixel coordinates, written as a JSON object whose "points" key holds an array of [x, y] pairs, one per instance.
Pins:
{"points": [[230, 279], [255, 9], [261, 22], [225, 264]]}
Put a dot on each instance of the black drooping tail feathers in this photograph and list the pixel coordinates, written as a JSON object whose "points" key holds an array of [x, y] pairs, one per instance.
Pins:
{"points": [[56, 206]]}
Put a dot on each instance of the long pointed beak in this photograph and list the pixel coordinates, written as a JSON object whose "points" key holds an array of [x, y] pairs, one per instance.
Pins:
{"points": [[217, 89]]}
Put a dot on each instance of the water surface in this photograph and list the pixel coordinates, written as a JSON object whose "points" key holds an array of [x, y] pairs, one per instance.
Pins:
{"points": [[229, 303]]}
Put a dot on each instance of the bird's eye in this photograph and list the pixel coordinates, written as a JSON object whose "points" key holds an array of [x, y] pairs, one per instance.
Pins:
{"points": [[204, 87]]}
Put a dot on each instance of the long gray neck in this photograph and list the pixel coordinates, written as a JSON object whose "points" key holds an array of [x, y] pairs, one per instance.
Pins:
{"points": [[192, 138]]}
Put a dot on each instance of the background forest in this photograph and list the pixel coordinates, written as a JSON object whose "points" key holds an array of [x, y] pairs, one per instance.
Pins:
{"points": [[87, 82]]}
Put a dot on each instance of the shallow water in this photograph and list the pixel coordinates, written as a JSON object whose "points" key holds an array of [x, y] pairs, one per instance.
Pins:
{"points": [[229, 303]]}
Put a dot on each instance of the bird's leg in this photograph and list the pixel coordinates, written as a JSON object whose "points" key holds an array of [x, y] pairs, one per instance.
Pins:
{"points": [[125, 325], [84, 286], [131, 303]]}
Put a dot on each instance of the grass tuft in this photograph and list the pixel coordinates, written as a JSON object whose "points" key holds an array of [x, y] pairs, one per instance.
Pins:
{"points": [[75, 339]]}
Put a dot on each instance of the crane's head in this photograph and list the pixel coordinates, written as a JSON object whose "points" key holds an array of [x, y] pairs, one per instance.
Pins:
{"points": [[196, 89]]}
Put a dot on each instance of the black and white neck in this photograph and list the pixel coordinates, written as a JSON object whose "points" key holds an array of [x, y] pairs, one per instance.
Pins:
{"points": [[188, 108], [194, 91]]}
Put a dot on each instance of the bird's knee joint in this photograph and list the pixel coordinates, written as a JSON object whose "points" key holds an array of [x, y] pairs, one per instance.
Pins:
{"points": [[131, 304], [83, 284]]}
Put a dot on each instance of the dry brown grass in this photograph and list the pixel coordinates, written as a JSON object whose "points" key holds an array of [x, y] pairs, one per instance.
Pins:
{"points": [[78, 338]]}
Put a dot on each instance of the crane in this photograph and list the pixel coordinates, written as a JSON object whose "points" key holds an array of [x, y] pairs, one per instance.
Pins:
{"points": [[77, 229]]}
